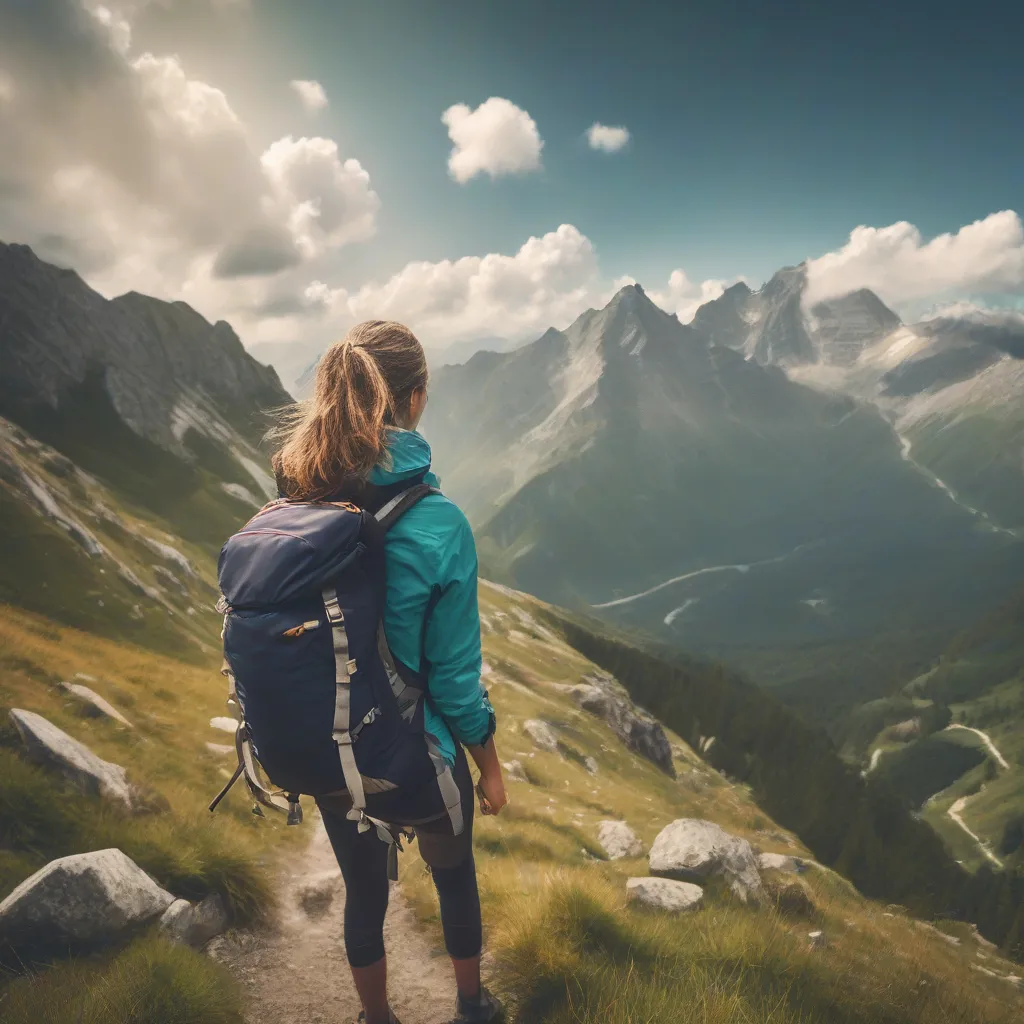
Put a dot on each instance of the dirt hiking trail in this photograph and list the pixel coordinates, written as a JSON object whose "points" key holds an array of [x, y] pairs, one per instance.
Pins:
{"points": [[298, 974]]}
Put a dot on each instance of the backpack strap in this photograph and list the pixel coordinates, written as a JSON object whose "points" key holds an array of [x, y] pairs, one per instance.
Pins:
{"points": [[389, 514]]}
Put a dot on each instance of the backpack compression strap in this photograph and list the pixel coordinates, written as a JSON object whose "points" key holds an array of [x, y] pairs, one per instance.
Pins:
{"points": [[386, 517]]}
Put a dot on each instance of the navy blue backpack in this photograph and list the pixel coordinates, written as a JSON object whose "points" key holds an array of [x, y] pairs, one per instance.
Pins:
{"points": [[323, 708]]}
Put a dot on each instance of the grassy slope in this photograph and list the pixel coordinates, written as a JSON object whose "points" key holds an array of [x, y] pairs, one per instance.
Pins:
{"points": [[568, 949]]}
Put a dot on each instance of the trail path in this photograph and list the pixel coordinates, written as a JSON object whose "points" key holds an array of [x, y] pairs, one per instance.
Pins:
{"points": [[955, 812], [986, 739], [298, 974]]}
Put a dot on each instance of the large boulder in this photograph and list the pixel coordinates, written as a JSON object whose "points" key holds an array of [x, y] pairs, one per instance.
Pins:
{"points": [[94, 703], [664, 894], [84, 899], [48, 745], [693, 850], [602, 696], [542, 735], [194, 924], [618, 840]]}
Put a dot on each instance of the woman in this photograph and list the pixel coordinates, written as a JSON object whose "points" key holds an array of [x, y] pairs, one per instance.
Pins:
{"points": [[356, 441]]}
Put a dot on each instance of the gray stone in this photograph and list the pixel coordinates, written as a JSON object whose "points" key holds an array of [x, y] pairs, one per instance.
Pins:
{"points": [[46, 744], [785, 863], [514, 771], [603, 697], [591, 765], [85, 898], [695, 850], [664, 894], [195, 924], [97, 704], [316, 893], [817, 940], [221, 749], [619, 840], [542, 734]]}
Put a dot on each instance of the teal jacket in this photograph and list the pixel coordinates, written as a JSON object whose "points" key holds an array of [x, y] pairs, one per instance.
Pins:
{"points": [[430, 556]]}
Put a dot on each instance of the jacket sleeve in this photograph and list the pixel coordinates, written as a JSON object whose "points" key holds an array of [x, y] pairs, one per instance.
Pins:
{"points": [[451, 641]]}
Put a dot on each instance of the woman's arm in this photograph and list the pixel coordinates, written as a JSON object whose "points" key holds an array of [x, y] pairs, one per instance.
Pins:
{"points": [[451, 647]]}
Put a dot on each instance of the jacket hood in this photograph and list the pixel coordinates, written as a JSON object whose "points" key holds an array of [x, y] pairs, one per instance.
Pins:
{"points": [[410, 456]]}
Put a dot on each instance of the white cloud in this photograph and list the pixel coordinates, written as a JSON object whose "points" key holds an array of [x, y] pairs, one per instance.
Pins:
{"points": [[311, 93], [895, 261], [496, 138], [607, 138], [684, 297], [549, 281], [122, 165]]}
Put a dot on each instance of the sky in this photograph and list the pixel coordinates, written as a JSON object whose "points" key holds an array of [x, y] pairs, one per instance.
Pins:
{"points": [[492, 169]]}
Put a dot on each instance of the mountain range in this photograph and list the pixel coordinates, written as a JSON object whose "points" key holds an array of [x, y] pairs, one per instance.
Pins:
{"points": [[743, 486]]}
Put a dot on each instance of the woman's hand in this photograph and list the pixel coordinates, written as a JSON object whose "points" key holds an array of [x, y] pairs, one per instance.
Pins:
{"points": [[491, 790], [491, 787]]}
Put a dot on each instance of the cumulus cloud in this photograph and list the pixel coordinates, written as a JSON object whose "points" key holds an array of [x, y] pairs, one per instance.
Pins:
{"points": [[496, 138], [311, 93], [897, 263], [549, 281], [607, 138], [684, 297], [143, 177]]}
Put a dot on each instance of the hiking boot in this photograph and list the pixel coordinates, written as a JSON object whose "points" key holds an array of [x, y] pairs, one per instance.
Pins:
{"points": [[481, 1010], [361, 1019]]}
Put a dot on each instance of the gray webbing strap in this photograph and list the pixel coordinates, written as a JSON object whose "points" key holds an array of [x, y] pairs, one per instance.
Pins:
{"points": [[343, 668], [448, 786], [407, 696]]}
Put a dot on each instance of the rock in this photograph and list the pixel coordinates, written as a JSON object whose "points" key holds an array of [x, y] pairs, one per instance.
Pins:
{"points": [[46, 744], [664, 894], [95, 702], [195, 924], [224, 723], [785, 863], [221, 749], [618, 840], [542, 734], [694, 850], [817, 940], [514, 771], [640, 732], [316, 894], [591, 765], [794, 900], [86, 898]]}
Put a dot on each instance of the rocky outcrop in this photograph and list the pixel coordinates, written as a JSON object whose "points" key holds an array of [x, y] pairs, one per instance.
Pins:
{"points": [[602, 696], [664, 894], [84, 899], [194, 924], [785, 863], [619, 840], [46, 744], [542, 734], [693, 850], [94, 703]]}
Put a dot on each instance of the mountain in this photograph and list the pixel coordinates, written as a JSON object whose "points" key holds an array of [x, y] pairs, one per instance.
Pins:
{"points": [[288, 358], [952, 386], [146, 395], [629, 465], [772, 325]]}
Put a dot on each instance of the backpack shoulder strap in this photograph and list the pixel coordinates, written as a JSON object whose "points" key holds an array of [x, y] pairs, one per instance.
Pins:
{"points": [[390, 513]]}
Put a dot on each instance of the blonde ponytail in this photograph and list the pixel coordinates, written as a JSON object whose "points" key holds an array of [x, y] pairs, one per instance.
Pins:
{"points": [[362, 384]]}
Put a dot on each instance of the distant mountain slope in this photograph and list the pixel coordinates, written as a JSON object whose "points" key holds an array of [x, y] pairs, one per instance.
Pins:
{"points": [[145, 394], [629, 464]]}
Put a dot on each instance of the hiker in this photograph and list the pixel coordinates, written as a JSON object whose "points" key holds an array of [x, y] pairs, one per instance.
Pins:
{"points": [[355, 441]]}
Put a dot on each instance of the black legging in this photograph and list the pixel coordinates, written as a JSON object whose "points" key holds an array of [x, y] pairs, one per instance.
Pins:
{"points": [[363, 859]]}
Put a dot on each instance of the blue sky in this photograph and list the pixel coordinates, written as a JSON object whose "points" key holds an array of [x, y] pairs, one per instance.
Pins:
{"points": [[760, 135]]}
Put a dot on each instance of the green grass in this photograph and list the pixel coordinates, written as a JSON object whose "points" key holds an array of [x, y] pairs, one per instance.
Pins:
{"points": [[149, 982]]}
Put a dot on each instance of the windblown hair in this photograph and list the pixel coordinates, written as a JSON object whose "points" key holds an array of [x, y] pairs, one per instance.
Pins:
{"points": [[363, 388]]}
